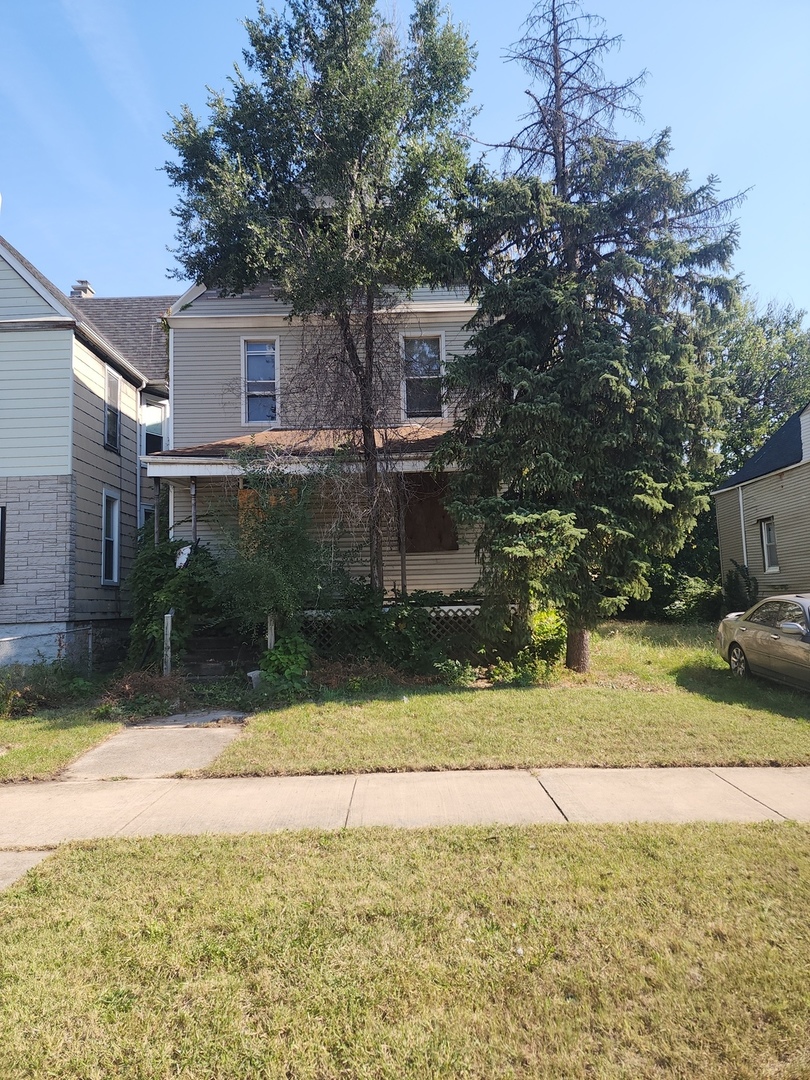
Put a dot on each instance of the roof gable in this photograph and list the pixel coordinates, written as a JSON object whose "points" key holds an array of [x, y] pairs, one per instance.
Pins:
{"points": [[783, 449]]}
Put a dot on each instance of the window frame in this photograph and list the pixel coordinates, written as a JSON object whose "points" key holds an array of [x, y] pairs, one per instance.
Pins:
{"points": [[253, 340], [154, 403], [408, 335], [770, 554], [112, 441], [110, 495]]}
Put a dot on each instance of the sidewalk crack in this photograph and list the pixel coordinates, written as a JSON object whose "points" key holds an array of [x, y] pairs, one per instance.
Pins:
{"points": [[351, 800], [149, 806], [554, 801], [747, 794]]}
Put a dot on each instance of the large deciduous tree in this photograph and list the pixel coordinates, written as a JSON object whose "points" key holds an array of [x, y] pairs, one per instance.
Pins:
{"points": [[590, 400], [332, 170]]}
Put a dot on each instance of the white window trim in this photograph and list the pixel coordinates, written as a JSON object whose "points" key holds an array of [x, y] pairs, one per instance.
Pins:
{"points": [[111, 493], [410, 335], [258, 339], [163, 405], [770, 567], [115, 448]]}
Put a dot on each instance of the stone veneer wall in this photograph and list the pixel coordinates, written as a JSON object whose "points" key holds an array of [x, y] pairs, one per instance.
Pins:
{"points": [[39, 551]]}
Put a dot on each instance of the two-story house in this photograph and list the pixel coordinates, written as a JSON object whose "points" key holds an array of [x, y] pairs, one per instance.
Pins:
{"points": [[243, 373], [83, 394]]}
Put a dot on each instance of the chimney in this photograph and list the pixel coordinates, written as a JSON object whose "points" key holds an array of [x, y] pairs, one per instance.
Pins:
{"points": [[82, 290]]}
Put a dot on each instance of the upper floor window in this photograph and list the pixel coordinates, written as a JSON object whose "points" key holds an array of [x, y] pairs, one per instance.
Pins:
{"points": [[767, 531], [154, 425], [112, 411], [260, 376], [422, 361]]}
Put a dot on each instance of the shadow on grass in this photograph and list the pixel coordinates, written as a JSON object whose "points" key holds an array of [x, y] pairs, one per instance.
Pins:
{"points": [[719, 685]]}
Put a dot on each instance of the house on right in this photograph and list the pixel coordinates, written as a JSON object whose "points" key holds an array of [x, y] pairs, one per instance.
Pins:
{"points": [[763, 511]]}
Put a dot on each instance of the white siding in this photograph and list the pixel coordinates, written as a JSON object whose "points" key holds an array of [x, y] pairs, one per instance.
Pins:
{"points": [[18, 300], [35, 394]]}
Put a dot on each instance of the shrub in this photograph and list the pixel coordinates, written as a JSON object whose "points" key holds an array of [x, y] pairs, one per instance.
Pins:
{"points": [[285, 669], [695, 600], [25, 688], [740, 589], [143, 693]]}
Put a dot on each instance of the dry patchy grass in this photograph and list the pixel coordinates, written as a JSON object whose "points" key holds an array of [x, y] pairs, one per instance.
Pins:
{"points": [[549, 952], [657, 696], [37, 747]]}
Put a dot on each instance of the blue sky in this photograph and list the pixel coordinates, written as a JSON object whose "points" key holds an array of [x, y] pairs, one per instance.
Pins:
{"points": [[87, 86]]}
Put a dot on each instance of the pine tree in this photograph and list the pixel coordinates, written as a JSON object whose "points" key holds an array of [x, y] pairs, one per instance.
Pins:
{"points": [[590, 399]]}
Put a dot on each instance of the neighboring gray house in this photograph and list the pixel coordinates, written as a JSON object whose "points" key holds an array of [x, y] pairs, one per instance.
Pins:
{"points": [[763, 511], [242, 373], [83, 393]]}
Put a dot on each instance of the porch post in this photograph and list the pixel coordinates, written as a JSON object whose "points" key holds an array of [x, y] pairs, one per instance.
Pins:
{"points": [[156, 515], [193, 488], [403, 556]]}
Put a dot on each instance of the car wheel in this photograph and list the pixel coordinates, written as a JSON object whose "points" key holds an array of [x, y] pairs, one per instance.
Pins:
{"points": [[737, 662]]}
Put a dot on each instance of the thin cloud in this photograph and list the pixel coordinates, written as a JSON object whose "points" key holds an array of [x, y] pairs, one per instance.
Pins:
{"points": [[104, 31]]}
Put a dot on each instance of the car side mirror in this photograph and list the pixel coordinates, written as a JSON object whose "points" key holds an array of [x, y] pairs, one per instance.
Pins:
{"points": [[792, 628]]}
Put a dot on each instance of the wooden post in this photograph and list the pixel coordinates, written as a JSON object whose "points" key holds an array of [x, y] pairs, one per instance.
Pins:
{"points": [[271, 633], [403, 556], [167, 642]]}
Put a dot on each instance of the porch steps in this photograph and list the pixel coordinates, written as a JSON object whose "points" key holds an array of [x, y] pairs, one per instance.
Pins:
{"points": [[213, 656]]}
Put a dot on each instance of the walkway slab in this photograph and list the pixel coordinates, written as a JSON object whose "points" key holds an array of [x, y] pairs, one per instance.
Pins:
{"points": [[14, 864], [486, 797], [141, 752], [34, 814], [785, 790], [251, 804], [660, 795]]}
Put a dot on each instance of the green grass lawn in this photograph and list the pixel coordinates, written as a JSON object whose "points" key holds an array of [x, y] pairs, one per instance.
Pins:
{"points": [[546, 952], [37, 747], [657, 695]]}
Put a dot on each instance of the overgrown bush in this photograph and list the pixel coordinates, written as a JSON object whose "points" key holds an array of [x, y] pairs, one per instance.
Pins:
{"points": [[25, 688], [143, 693], [158, 586], [694, 600], [285, 669], [740, 588]]}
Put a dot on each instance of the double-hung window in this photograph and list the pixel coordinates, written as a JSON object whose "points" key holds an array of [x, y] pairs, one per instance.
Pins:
{"points": [[110, 537], [767, 532], [112, 411], [422, 365], [260, 369], [154, 426]]}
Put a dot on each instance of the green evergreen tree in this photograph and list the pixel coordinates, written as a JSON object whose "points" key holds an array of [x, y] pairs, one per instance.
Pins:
{"points": [[332, 173], [591, 403]]}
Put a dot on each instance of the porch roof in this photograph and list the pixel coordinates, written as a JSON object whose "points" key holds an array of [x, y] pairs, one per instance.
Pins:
{"points": [[405, 447]]}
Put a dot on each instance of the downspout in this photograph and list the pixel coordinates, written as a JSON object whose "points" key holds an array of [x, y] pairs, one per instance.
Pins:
{"points": [[742, 527]]}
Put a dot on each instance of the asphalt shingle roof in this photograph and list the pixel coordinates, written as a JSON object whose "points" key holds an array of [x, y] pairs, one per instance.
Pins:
{"points": [[132, 324], [784, 448]]}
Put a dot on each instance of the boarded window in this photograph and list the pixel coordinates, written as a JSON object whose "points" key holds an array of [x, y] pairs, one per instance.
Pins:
{"points": [[428, 526]]}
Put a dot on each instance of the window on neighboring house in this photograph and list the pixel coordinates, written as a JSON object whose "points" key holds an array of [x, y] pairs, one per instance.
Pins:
{"points": [[112, 412], [154, 424], [767, 531], [422, 361], [110, 537], [259, 362], [428, 526], [2, 545]]}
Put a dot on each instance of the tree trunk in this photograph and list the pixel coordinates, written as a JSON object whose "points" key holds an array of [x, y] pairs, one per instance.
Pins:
{"points": [[578, 649]]}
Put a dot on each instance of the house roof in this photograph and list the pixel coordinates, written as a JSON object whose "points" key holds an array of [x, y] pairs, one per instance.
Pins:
{"points": [[412, 440], [784, 448], [133, 325], [128, 328]]}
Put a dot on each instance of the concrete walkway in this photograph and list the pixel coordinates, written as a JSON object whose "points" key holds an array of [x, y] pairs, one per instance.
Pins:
{"points": [[128, 787]]}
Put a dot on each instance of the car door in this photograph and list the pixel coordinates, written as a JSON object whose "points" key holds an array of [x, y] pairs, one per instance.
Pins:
{"points": [[792, 653], [758, 635]]}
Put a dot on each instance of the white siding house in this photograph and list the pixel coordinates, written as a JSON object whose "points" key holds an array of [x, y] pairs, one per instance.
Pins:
{"points": [[70, 438]]}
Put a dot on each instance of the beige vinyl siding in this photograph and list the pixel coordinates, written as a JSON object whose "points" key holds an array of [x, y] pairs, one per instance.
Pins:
{"points": [[257, 304], [786, 498], [35, 393], [18, 300], [207, 376], [727, 507], [95, 469], [443, 571]]}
